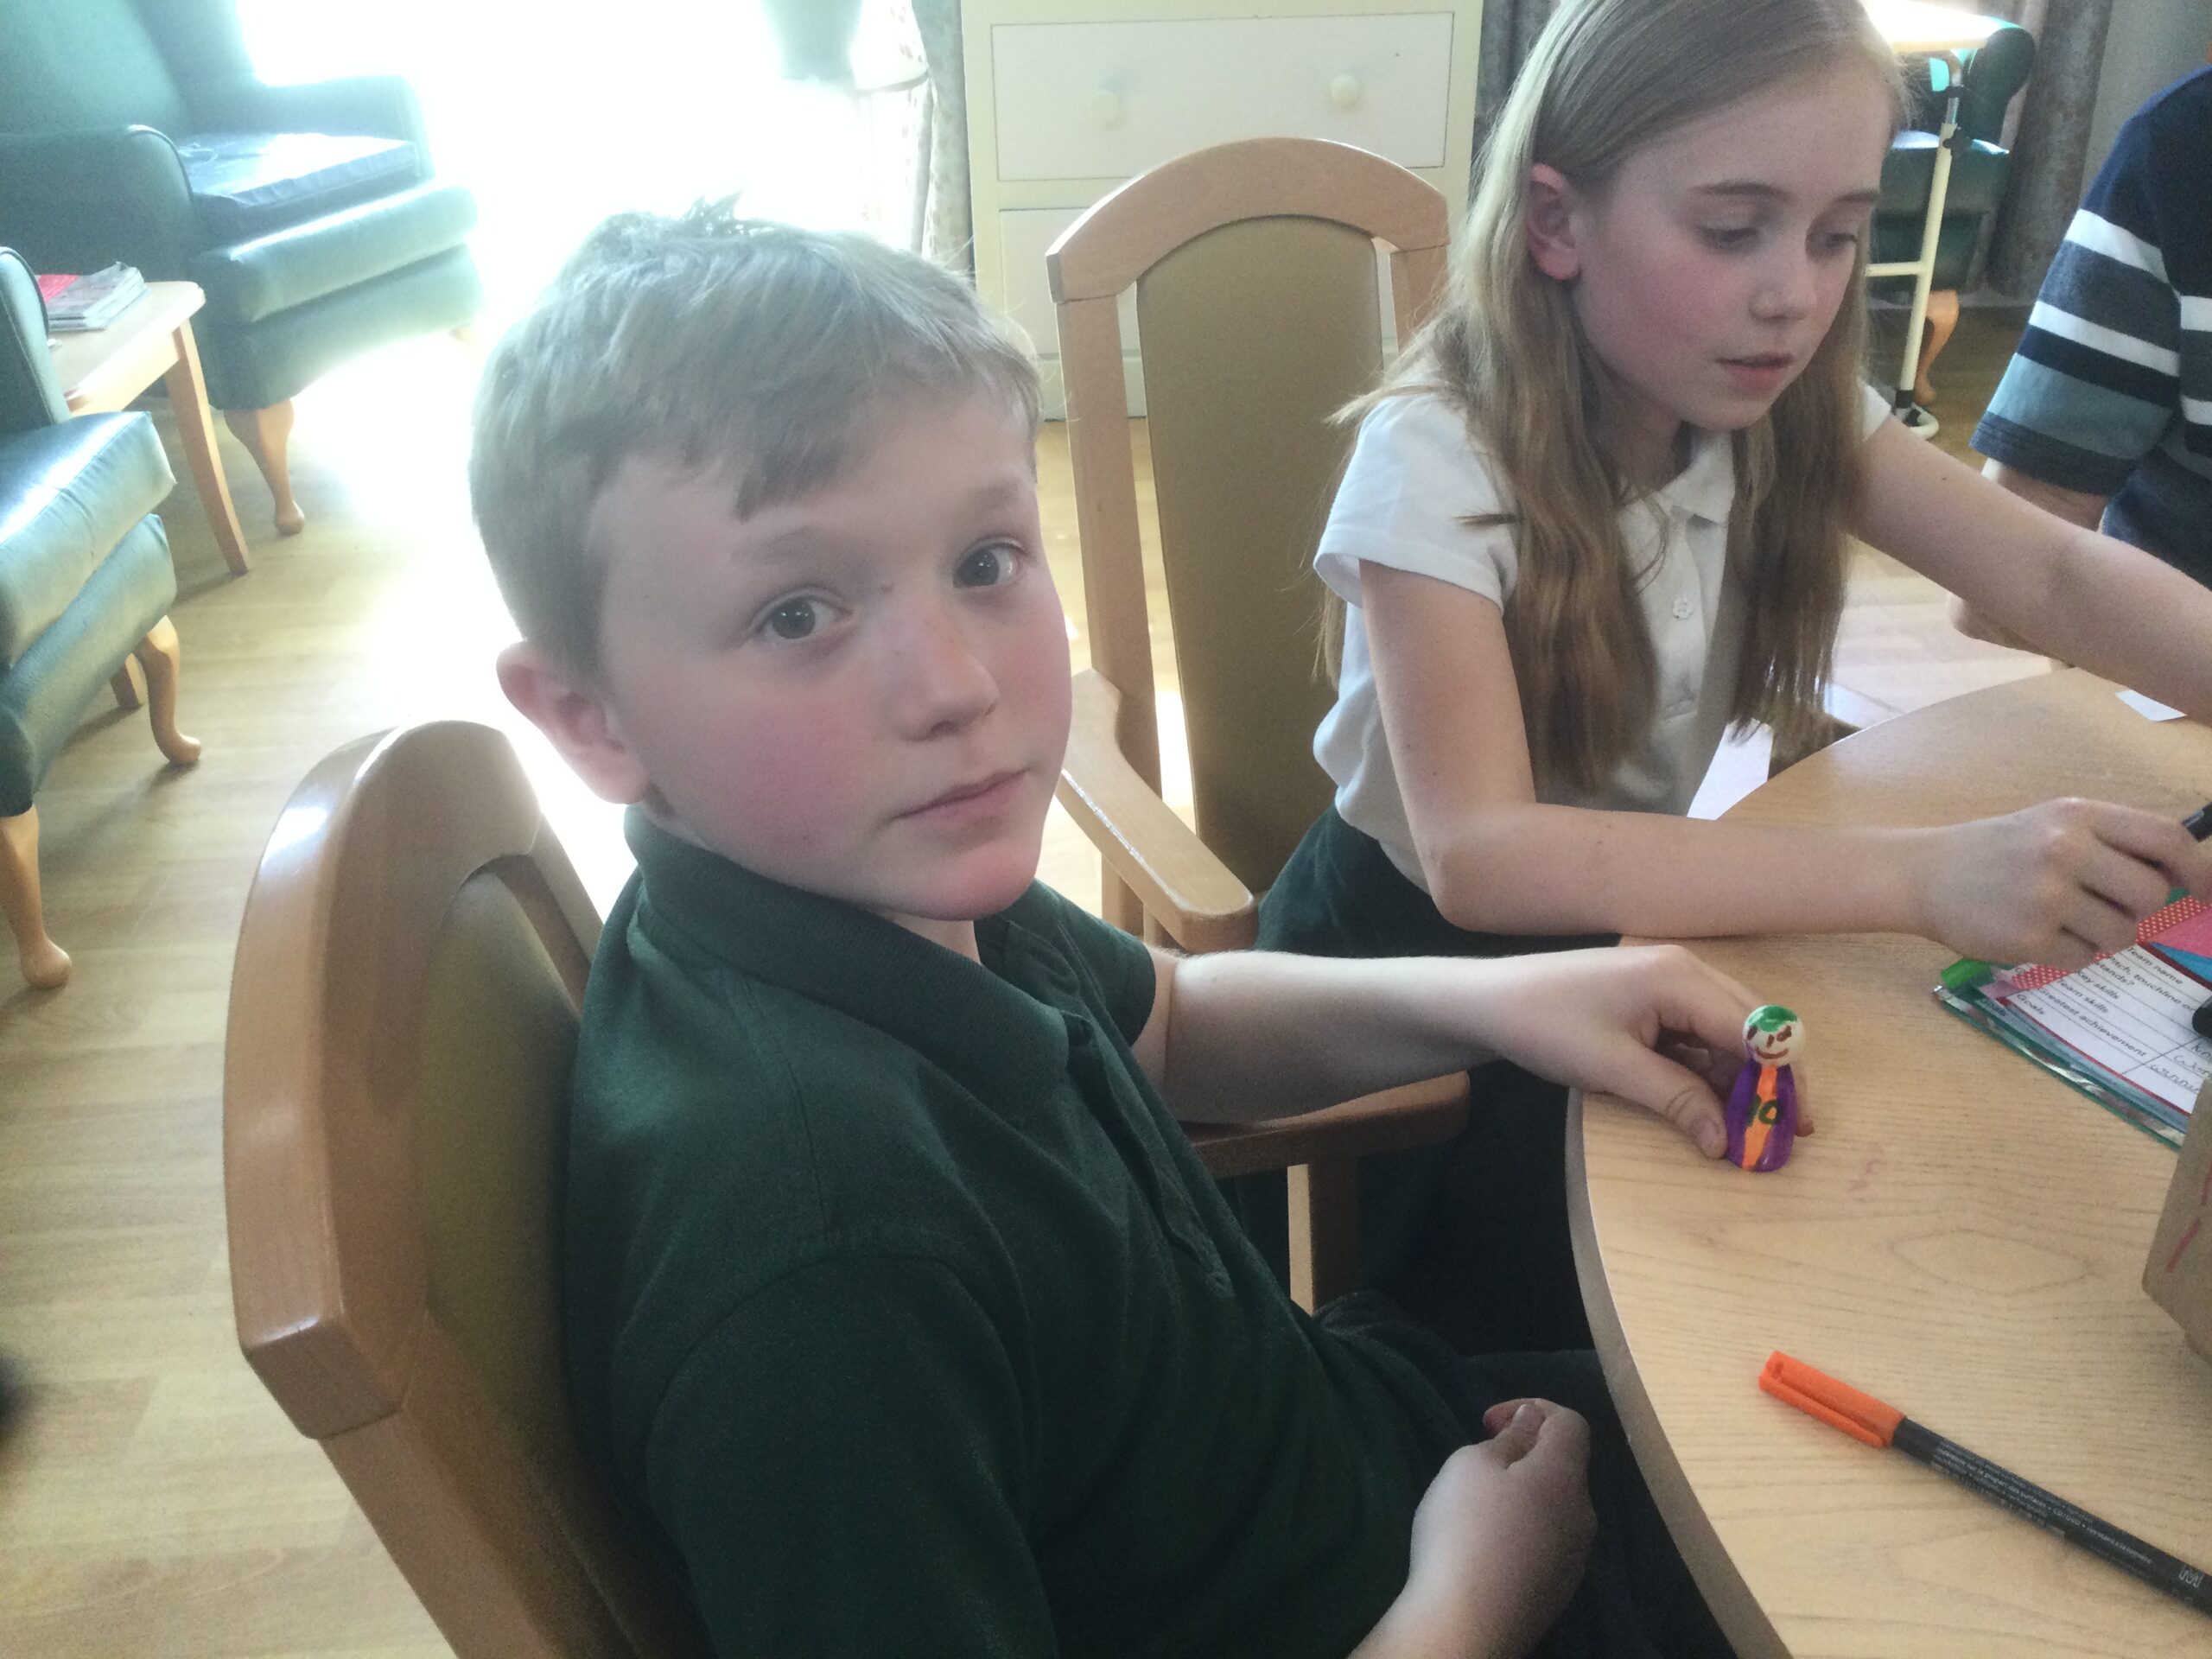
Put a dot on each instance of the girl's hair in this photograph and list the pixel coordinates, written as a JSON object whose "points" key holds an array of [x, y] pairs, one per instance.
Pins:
{"points": [[1605, 78]]}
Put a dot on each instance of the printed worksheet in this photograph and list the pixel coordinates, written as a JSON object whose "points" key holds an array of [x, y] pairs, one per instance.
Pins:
{"points": [[2130, 1012]]}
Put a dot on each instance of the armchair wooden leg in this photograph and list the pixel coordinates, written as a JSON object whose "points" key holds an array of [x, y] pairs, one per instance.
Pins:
{"points": [[265, 433], [1942, 318], [158, 655], [1324, 1230], [124, 683], [45, 963]]}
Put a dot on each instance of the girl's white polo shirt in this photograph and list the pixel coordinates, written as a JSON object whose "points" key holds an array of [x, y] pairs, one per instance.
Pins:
{"points": [[1414, 477]]}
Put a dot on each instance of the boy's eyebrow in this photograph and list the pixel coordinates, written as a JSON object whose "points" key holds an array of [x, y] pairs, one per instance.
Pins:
{"points": [[1005, 493], [1776, 192], [806, 538]]}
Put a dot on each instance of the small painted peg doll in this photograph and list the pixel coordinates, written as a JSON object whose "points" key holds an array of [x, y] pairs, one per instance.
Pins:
{"points": [[1763, 1106]]}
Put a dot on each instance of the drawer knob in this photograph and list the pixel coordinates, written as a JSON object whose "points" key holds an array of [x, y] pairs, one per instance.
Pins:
{"points": [[1344, 92], [1105, 108]]}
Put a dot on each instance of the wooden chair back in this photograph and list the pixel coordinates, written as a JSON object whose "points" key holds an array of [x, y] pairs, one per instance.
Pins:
{"points": [[403, 1010], [1255, 270]]}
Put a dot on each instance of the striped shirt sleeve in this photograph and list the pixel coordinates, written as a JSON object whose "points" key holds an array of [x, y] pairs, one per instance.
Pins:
{"points": [[2108, 365]]}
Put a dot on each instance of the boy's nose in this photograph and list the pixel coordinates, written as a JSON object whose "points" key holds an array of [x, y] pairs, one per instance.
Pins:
{"points": [[937, 680]]}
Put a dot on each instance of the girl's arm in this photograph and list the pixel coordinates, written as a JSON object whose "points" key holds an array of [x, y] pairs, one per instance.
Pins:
{"points": [[2055, 884], [2075, 506], [2068, 591]]}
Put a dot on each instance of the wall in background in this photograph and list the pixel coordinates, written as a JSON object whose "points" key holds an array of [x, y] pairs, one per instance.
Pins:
{"points": [[2152, 43]]}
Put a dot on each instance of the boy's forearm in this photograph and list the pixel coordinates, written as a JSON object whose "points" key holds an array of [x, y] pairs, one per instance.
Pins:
{"points": [[1531, 868], [1263, 1034]]}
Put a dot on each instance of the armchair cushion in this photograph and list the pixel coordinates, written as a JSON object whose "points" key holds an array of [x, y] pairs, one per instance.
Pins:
{"points": [[245, 185], [44, 696], [381, 107], [68, 494], [250, 281]]}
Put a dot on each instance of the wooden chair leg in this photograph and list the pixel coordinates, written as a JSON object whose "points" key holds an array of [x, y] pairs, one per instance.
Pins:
{"points": [[45, 963], [1942, 318], [124, 683], [1324, 1231], [266, 433], [158, 655]]}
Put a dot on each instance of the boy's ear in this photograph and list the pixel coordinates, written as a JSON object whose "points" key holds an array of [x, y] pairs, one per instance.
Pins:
{"points": [[578, 720], [1551, 227]]}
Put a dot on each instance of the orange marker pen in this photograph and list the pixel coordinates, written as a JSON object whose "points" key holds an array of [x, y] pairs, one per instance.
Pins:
{"points": [[1865, 1417]]}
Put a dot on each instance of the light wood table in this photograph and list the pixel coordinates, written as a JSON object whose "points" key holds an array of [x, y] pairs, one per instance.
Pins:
{"points": [[1963, 1236], [105, 369]]}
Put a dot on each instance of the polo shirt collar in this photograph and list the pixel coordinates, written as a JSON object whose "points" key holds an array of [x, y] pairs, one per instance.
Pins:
{"points": [[1706, 488], [998, 1039]]}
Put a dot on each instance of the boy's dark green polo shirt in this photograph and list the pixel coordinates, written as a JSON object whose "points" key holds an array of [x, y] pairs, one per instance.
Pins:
{"points": [[898, 1303]]}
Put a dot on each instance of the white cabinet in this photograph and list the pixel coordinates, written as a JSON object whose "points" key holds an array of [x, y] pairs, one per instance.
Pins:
{"points": [[1067, 98]]}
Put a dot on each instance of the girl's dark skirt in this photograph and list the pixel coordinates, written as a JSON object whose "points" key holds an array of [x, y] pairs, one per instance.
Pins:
{"points": [[1470, 1237]]}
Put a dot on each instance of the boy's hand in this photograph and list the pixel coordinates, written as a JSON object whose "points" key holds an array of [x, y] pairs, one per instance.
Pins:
{"points": [[2057, 883], [1652, 1024], [1499, 1540]]}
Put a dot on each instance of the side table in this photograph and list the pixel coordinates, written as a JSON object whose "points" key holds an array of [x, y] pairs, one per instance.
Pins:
{"points": [[105, 369]]}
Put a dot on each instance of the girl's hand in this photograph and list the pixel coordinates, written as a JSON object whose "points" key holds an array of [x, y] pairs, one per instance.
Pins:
{"points": [[1651, 1024], [1499, 1541], [2058, 883]]}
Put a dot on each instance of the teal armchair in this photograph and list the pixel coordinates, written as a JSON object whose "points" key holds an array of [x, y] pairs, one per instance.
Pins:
{"points": [[1991, 76], [84, 586], [137, 131]]}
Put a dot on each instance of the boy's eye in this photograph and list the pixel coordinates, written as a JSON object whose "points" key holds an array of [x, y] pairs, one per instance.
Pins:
{"points": [[794, 618], [987, 566]]}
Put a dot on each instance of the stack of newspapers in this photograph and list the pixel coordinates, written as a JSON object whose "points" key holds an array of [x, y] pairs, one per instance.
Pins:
{"points": [[75, 304]]}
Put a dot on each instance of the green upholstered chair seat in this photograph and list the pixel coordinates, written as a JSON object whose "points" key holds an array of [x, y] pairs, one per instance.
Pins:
{"points": [[1978, 176], [247, 184], [69, 493], [1991, 75], [44, 696], [248, 282]]}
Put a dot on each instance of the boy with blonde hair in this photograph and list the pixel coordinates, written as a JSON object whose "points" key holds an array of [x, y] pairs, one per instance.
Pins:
{"points": [[899, 1311]]}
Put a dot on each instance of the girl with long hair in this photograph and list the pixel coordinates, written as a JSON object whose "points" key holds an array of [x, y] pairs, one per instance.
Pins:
{"points": [[1599, 516]]}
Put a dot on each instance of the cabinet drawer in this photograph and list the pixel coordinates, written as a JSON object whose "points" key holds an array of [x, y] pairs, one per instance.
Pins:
{"points": [[1109, 100]]}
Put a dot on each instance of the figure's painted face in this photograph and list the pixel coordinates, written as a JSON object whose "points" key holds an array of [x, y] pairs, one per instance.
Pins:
{"points": [[1774, 1035]]}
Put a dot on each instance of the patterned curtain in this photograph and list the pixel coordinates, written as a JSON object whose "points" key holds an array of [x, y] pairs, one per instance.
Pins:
{"points": [[2048, 131], [941, 224]]}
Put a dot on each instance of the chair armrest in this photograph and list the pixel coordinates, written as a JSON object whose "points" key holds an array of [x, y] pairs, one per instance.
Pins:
{"points": [[30, 392], [382, 107], [1182, 886], [76, 201], [1423, 1113]]}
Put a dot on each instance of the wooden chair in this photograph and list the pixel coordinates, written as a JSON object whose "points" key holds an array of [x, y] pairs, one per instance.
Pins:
{"points": [[403, 1011], [1257, 310]]}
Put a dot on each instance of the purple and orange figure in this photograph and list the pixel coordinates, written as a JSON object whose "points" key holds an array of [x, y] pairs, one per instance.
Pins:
{"points": [[1763, 1106]]}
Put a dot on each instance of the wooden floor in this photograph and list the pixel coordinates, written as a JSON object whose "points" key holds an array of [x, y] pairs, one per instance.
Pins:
{"points": [[152, 1500]]}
